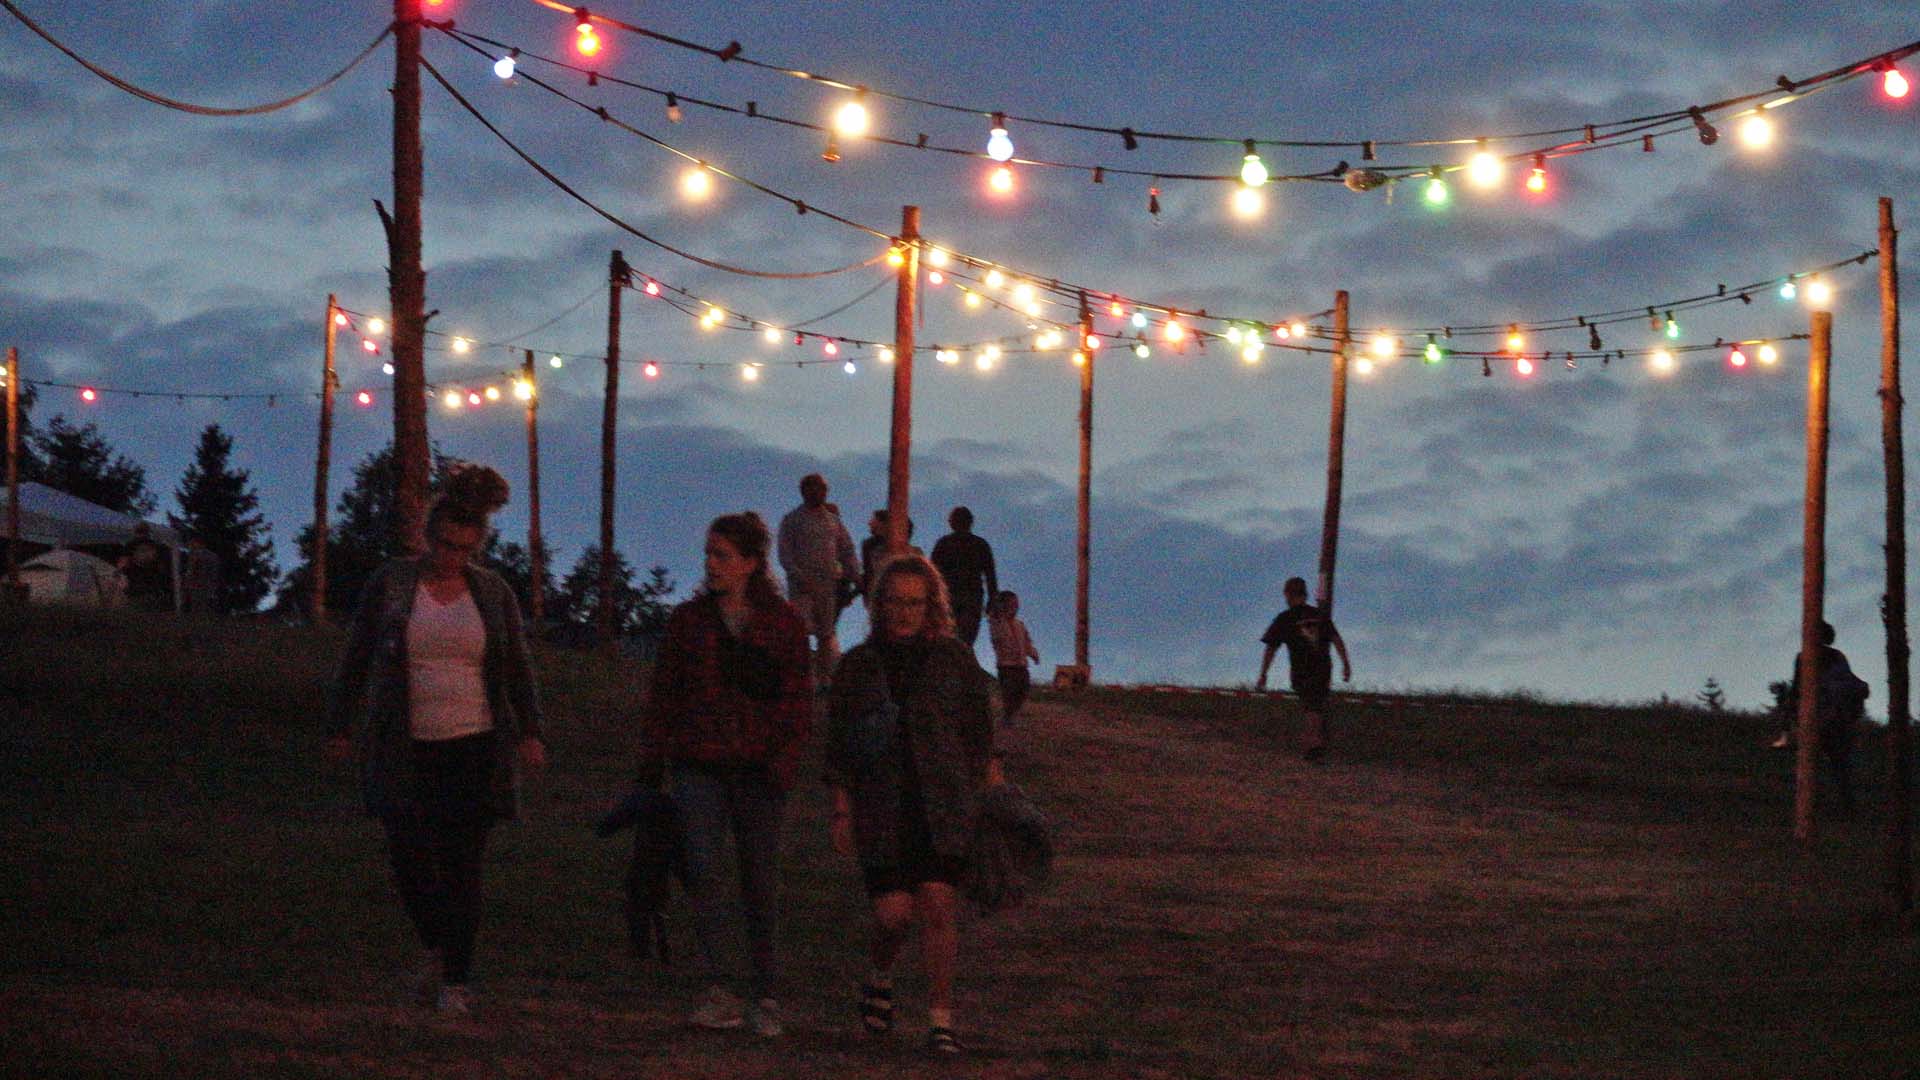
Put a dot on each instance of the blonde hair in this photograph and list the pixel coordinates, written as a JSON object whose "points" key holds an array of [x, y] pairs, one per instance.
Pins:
{"points": [[939, 620]]}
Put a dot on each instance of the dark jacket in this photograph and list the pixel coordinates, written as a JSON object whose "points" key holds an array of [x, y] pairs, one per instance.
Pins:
{"points": [[371, 685], [948, 715], [721, 699]]}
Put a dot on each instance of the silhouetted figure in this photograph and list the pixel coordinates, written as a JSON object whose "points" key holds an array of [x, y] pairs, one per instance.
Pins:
{"points": [[149, 582], [1307, 633], [966, 562], [816, 554], [1012, 648], [1840, 704]]}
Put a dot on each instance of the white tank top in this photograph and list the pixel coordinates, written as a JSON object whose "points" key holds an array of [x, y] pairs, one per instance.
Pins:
{"points": [[446, 664]]}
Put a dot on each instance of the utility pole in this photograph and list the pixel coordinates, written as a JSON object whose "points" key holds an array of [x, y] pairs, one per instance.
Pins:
{"points": [[323, 459], [407, 287], [1894, 604], [536, 553], [609, 417], [1813, 577], [13, 474], [1336, 456], [900, 446], [1083, 546]]}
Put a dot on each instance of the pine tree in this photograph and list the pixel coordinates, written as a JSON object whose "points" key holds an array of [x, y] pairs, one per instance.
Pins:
{"points": [[514, 563], [78, 461], [218, 505], [638, 609], [359, 534], [1712, 696]]}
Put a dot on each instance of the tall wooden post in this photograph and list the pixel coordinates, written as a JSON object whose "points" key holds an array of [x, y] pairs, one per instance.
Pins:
{"points": [[609, 419], [1813, 576], [1893, 606], [900, 446], [1336, 455], [407, 287], [536, 550], [13, 473], [1083, 548], [322, 461]]}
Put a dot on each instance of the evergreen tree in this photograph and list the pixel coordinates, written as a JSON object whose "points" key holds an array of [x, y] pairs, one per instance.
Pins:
{"points": [[639, 609], [514, 562], [78, 461], [30, 466], [218, 505], [359, 534], [1713, 697]]}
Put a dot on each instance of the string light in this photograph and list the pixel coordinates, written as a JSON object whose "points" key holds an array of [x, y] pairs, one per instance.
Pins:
{"points": [[363, 397], [1253, 171], [850, 368], [1524, 366], [1767, 354], [460, 345], [750, 373], [1537, 178], [1141, 350], [1819, 293], [386, 369], [523, 389], [1516, 341], [1432, 352], [1672, 327], [1661, 361], [935, 277], [999, 143], [695, 183], [339, 318], [370, 346], [651, 370], [984, 361], [675, 113], [1894, 84], [1173, 331], [1436, 193], [886, 354], [452, 399], [1788, 290], [586, 41], [504, 66], [1248, 202], [946, 356], [1484, 168], [831, 348], [493, 393], [1384, 345], [1756, 132], [995, 279], [1079, 358], [973, 299], [376, 326], [1139, 320], [1299, 329], [1363, 366], [896, 257], [556, 361], [1000, 180], [474, 398], [1092, 342], [88, 394], [1251, 354], [652, 287], [937, 258], [851, 119], [771, 334], [1737, 357]]}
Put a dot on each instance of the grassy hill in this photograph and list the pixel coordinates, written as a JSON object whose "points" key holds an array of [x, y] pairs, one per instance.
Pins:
{"points": [[1542, 891]]}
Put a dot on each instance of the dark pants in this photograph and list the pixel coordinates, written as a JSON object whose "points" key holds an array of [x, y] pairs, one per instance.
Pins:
{"points": [[436, 844], [966, 620], [1836, 745], [741, 800], [1015, 684]]}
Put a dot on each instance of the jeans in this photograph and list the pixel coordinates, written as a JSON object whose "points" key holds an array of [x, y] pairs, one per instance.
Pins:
{"points": [[742, 800], [436, 844]]}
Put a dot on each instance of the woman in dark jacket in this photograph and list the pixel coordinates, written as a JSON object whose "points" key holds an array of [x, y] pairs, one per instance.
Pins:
{"points": [[728, 719], [453, 704], [910, 744]]}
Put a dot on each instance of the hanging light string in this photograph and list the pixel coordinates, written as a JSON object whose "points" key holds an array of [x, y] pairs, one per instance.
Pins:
{"points": [[1130, 137], [753, 111], [615, 219], [189, 107], [514, 339]]}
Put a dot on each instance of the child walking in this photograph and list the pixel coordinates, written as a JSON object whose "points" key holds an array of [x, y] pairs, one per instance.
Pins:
{"points": [[1012, 648]]}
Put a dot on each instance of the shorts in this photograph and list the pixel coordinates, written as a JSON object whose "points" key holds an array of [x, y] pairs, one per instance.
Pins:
{"points": [[1015, 684], [917, 863]]}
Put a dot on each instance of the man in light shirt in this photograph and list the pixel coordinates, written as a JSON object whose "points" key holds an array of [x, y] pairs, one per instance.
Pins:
{"points": [[817, 554]]}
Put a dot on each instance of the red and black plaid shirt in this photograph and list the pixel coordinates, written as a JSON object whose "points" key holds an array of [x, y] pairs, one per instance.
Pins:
{"points": [[718, 698]]}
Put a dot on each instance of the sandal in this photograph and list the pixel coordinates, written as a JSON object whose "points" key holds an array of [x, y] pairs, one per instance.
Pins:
{"points": [[943, 1042], [876, 1009]]}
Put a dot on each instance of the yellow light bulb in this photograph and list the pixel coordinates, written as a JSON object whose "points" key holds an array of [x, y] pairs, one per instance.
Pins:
{"points": [[851, 119], [1251, 354], [1001, 180], [1174, 331], [1385, 346], [1023, 293], [452, 399], [937, 257], [886, 354], [771, 334], [995, 279], [696, 183], [1768, 354], [1033, 308], [1485, 168], [461, 345], [493, 393], [1819, 294], [1661, 361], [1363, 366], [1299, 329], [1248, 202], [1079, 359], [1756, 132], [973, 299], [751, 373], [376, 325], [523, 390], [983, 362]]}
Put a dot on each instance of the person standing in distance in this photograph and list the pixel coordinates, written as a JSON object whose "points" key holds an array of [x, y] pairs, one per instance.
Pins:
{"points": [[816, 554], [966, 562], [1307, 632]]}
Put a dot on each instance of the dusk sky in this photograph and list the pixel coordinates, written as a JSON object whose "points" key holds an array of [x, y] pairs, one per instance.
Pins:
{"points": [[1599, 533]]}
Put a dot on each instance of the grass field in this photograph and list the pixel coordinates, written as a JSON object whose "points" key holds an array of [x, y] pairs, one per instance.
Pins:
{"points": [[188, 890]]}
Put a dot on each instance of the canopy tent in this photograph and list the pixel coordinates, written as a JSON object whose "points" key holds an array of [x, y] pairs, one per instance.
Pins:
{"points": [[72, 578], [56, 519]]}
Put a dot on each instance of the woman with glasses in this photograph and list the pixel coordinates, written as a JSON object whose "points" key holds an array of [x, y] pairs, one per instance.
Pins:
{"points": [[910, 744], [438, 674]]}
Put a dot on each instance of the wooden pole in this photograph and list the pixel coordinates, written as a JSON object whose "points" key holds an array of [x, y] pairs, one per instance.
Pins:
{"points": [[13, 473], [323, 461], [1813, 577], [407, 288], [536, 551], [1083, 548], [900, 447], [609, 418], [1336, 455], [1893, 606]]}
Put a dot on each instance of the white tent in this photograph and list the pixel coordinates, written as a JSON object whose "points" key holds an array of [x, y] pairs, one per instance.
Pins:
{"points": [[72, 578], [57, 519]]}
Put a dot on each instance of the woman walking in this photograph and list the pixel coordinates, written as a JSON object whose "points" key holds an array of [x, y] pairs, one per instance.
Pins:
{"points": [[729, 716], [452, 708], [910, 745]]}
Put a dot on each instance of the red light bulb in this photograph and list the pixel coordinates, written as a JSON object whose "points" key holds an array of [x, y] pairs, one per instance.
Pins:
{"points": [[651, 371], [1524, 366], [473, 398], [653, 287], [1894, 84], [363, 398], [89, 395], [1737, 358]]}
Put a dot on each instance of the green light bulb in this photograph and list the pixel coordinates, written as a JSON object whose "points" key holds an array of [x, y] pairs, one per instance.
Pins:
{"points": [[1433, 352], [1437, 192], [1673, 328], [1787, 290]]}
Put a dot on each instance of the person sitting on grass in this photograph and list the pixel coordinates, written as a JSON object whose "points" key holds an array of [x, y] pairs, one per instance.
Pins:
{"points": [[909, 747], [453, 709], [1307, 633]]}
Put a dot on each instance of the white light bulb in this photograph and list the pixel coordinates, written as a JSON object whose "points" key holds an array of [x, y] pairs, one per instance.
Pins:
{"points": [[1248, 202], [851, 120], [504, 66], [1756, 132], [1485, 168], [999, 145]]}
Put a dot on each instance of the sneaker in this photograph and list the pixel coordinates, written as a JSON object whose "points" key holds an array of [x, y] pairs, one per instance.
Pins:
{"points": [[718, 1011], [763, 1017], [454, 1000]]}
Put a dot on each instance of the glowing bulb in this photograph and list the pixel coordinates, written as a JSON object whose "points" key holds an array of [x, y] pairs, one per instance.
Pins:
{"points": [[587, 42], [771, 334], [1140, 350], [1384, 346], [386, 369], [995, 279], [371, 346], [1537, 180], [973, 299], [1001, 180], [89, 394], [851, 119], [461, 345], [1117, 310], [1023, 293], [1768, 354], [1485, 168], [452, 399], [999, 143], [1894, 84], [1299, 329], [1756, 132], [1516, 341], [1672, 327], [1092, 342], [1139, 320], [1282, 333], [695, 183], [523, 389], [1524, 366], [1436, 193], [653, 287], [650, 369], [750, 373], [831, 348], [1433, 351], [1079, 358], [1819, 293], [937, 257], [1661, 361], [886, 354], [1233, 334], [473, 396], [1251, 354], [1253, 171], [1248, 202], [947, 356], [504, 66], [1737, 358], [896, 258], [493, 393], [555, 361], [363, 397], [850, 368], [935, 277], [983, 362], [339, 318], [715, 315], [1787, 290], [1174, 331], [1363, 366], [376, 325]]}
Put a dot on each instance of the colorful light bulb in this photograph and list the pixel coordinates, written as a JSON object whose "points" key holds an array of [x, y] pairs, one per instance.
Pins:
{"points": [[1524, 366], [556, 361], [1767, 354], [1894, 84], [493, 393], [850, 368], [1661, 361], [1788, 290], [523, 389], [999, 143], [696, 183], [651, 370], [1819, 293], [1436, 192], [504, 66], [376, 325], [1756, 132], [1672, 327], [1737, 357], [653, 287], [339, 318], [89, 394], [1385, 345], [851, 119], [1000, 180], [1253, 171], [363, 397], [1485, 168], [1139, 320], [452, 399]]}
